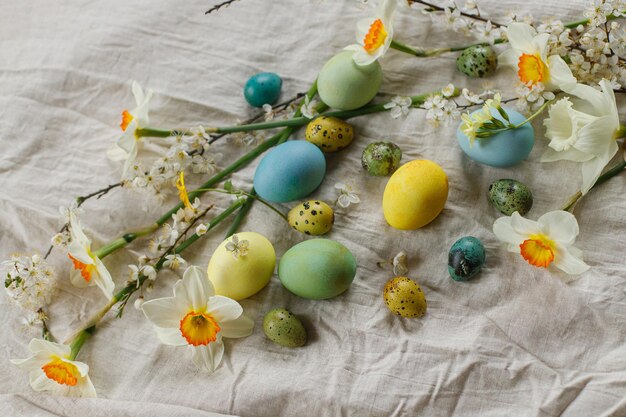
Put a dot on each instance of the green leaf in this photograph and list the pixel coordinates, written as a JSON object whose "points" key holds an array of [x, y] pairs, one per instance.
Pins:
{"points": [[504, 114], [228, 185]]}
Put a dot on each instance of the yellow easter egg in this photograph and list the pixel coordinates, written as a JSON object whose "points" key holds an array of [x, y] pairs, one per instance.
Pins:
{"points": [[242, 265], [312, 217], [415, 195]]}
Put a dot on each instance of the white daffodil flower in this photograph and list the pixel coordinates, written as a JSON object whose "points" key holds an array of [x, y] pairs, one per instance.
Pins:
{"points": [[51, 370], [126, 147], [374, 34], [528, 56], [547, 241], [197, 318], [347, 195], [584, 130], [92, 270]]}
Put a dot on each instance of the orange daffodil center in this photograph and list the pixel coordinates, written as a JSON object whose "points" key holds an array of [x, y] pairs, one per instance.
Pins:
{"points": [[61, 372], [85, 270], [538, 250], [375, 37], [126, 119], [532, 70], [199, 328]]}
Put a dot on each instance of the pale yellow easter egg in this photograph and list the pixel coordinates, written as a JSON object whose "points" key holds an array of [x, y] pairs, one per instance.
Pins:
{"points": [[242, 265], [415, 195]]}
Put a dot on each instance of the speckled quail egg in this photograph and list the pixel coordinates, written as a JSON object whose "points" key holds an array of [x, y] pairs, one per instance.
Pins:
{"points": [[312, 217], [283, 328], [329, 133], [404, 297]]}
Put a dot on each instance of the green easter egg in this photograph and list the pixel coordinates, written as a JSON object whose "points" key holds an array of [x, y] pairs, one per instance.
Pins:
{"points": [[477, 61], [344, 85], [283, 328], [317, 269], [381, 158], [509, 196]]}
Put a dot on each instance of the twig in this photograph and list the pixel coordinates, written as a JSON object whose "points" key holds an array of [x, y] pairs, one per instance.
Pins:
{"points": [[442, 9], [219, 6]]}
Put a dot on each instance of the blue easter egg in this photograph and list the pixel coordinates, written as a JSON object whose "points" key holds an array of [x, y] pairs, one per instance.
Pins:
{"points": [[290, 171], [503, 149], [466, 258], [262, 88]]}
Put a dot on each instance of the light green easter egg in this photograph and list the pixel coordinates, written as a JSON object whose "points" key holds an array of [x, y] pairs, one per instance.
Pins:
{"points": [[344, 85], [317, 269]]}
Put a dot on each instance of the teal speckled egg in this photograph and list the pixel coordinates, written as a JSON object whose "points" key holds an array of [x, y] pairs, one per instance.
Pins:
{"points": [[381, 158], [503, 149], [509, 196], [478, 61], [290, 171], [317, 269], [466, 258], [344, 85], [283, 328], [262, 88]]}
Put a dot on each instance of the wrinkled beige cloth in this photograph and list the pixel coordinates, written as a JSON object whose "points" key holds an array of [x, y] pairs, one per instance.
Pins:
{"points": [[516, 341]]}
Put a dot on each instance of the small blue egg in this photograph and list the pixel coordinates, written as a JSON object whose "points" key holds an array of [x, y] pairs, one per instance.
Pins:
{"points": [[290, 171], [262, 88], [466, 258], [503, 149]]}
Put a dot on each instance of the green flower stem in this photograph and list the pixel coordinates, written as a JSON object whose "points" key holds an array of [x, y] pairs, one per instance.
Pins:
{"points": [[156, 133], [243, 212], [79, 341], [617, 169], [79, 338], [125, 240], [535, 114], [252, 194]]}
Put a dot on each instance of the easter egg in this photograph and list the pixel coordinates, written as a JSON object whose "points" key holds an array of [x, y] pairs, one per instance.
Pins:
{"points": [[503, 149], [344, 85], [262, 88], [317, 269], [329, 133], [290, 171], [465, 258], [243, 272], [312, 218], [509, 196], [404, 297], [283, 328], [415, 195], [477, 61], [381, 158]]}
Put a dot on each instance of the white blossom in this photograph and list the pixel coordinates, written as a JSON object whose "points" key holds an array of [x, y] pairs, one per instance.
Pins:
{"points": [[29, 281], [201, 229], [347, 195], [399, 106], [174, 261]]}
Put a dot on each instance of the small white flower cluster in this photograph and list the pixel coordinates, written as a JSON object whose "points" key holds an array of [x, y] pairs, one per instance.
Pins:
{"points": [[530, 98], [452, 18], [170, 233], [347, 195], [246, 138], [188, 150], [399, 106], [238, 248], [29, 281], [441, 108]]}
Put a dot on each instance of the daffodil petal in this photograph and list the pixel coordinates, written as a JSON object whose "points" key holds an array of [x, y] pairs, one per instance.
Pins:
{"points": [[571, 154], [170, 336], [195, 288], [540, 44], [561, 226], [521, 37], [593, 168], [524, 226], [223, 308], [508, 58], [163, 312], [561, 77], [40, 345], [241, 327], [565, 260], [103, 279], [86, 388], [208, 357], [504, 231], [77, 279], [595, 137]]}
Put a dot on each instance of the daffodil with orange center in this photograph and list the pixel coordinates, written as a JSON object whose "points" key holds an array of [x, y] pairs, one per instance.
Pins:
{"points": [[88, 268], [374, 34], [528, 57], [197, 318], [126, 148], [51, 369], [545, 242]]}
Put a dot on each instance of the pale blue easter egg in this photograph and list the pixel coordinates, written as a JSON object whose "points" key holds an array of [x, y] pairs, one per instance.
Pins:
{"points": [[317, 269], [503, 149], [344, 85], [262, 88], [290, 171]]}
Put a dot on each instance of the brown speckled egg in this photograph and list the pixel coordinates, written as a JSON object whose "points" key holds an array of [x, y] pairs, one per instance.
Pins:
{"points": [[312, 217], [329, 133], [404, 297]]}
